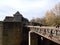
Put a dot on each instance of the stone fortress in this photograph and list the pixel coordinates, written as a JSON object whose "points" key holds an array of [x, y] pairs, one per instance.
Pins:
{"points": [[12, 30]]}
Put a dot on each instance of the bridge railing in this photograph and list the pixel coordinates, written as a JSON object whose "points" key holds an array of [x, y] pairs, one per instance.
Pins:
{"points": [[49, 31]]}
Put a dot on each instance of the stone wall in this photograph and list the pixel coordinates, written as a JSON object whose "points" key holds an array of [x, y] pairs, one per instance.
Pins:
{"points": [[12, 33], [1, 29]]}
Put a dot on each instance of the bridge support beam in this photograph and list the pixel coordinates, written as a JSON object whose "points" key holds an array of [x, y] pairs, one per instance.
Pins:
{"points": [[29, 39], [33, 39]]}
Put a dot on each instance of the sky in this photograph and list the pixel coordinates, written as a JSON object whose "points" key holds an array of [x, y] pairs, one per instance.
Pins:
{"points": [[28, 8]]}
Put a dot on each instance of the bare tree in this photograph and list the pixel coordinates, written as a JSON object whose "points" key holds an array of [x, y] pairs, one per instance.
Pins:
{"points": [[53, 16]]}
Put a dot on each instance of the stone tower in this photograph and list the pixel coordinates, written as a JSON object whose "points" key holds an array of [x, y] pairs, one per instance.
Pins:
{"points": [[12, 30], [17, 17]]}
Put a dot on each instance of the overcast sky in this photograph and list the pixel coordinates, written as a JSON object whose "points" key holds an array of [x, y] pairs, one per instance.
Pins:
{"points": [[28, 8]]}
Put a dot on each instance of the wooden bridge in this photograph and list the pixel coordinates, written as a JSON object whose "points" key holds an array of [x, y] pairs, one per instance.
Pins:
{"points": [[51, 33]]}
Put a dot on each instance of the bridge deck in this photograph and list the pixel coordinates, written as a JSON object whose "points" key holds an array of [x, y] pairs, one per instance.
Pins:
{"points": [[50, 33]]}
